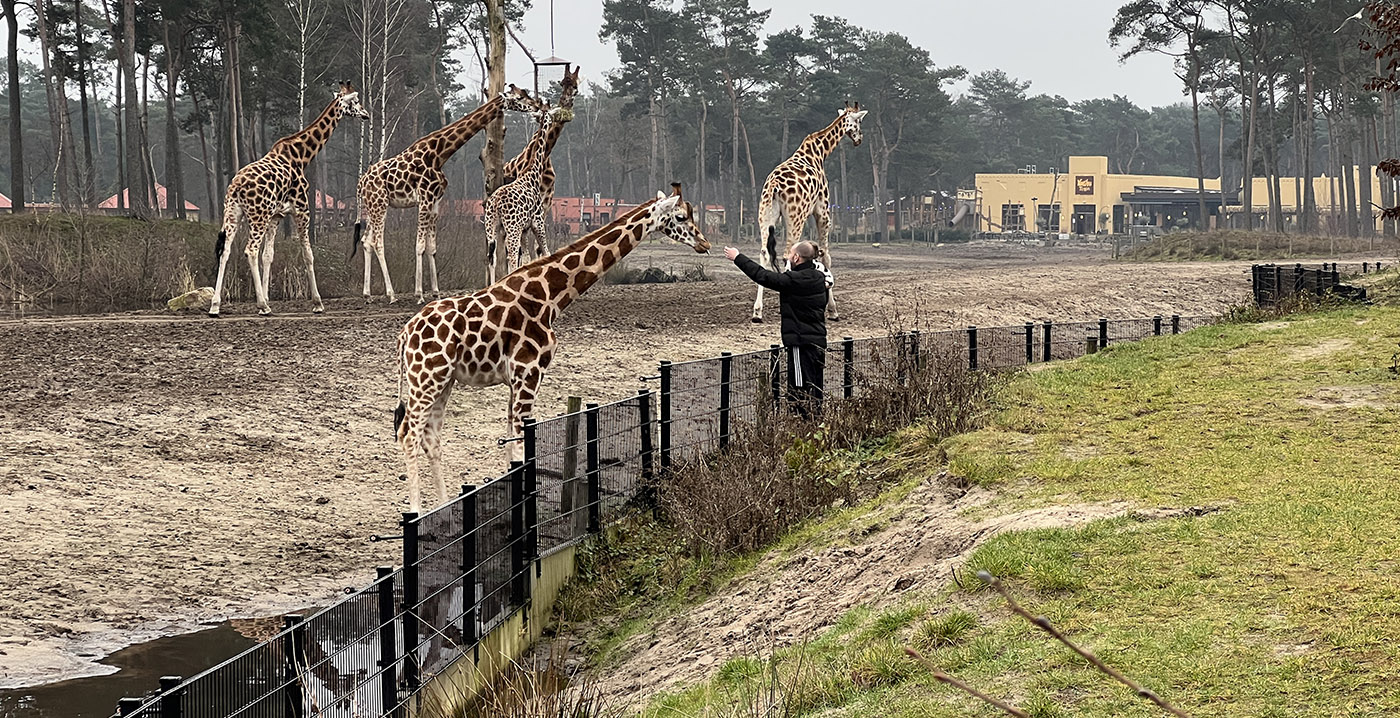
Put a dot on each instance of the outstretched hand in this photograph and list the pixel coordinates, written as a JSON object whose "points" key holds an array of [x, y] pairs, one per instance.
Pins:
{"points": [[730, 253]]}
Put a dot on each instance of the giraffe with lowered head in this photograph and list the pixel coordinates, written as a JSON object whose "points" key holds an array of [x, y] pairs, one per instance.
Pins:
{"points": [[795, 190], [414, 178], [270, 188], [504, 334]]}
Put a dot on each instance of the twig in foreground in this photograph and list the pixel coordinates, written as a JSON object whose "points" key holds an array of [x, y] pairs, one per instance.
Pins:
{"points": [[1045, 625], [942, 677]]}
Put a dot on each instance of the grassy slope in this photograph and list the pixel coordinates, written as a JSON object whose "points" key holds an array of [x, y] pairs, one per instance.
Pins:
{"points": [[1241, 245], [1283, 603]]}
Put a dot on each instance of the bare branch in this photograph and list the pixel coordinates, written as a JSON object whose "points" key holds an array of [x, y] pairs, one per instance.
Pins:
{"points": [[1044, 624], [942, 677]]}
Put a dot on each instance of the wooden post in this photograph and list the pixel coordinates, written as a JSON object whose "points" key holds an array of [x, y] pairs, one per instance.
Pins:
{"points": [[569, 496]]}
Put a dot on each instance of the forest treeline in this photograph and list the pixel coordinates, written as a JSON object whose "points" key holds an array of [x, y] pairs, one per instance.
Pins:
{"points": [[184, 92]]}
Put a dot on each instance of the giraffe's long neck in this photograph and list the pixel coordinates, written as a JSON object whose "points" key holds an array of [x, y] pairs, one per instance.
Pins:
{"points": [[442, 143], [552, 136], [570, 271], [300, 148], [820, 144]]}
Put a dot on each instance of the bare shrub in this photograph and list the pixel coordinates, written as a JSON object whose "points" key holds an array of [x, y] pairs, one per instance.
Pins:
{"points": [[781, 470], [540, 690]]}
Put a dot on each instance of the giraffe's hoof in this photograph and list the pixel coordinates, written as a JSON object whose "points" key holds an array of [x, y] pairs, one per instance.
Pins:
{"points": [[318, 310], [264, 312], [834, 318], [756, 320], [214, 315], [393, 299]]}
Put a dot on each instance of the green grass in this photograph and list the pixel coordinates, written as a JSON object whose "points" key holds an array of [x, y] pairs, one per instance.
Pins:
{"points": [[1284, 602]]}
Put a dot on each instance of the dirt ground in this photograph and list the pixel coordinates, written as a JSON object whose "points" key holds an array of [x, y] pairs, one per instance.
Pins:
{"points": [[162, 471]]}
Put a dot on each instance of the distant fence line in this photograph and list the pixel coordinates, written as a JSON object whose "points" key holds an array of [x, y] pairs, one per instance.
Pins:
{"points": [[480, 572], [1275, 283]]}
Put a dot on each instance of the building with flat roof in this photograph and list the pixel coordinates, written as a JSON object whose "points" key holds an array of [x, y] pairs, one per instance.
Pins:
{"points": [[1088, 199]]}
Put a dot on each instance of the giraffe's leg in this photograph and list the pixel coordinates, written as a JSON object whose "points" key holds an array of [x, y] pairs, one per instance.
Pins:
{"points": [[514, 250], [427, 227], [367, 244], [768, 215], [419, 249], [537, 225], [524, 383], [219, 280], [421, 427], [259, 232], [302, 219], [378, 247], [432, 444], [823, 215], [268, 249], [490, 246]]}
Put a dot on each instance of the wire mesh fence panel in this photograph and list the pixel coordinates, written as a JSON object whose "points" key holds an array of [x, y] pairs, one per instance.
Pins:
{"points": [[1187, 323], [753, 379], [1001, 347], [694, 409], [620, 455], [561, 467], [1132, 330], [493, 543], [1068, 339], [339, 657], [438, 636]]}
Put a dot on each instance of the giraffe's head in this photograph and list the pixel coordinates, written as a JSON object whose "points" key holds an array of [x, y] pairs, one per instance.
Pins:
{"points": [[568, 90], [519, 100], [348, 102], [850, 122], [674, 217]]}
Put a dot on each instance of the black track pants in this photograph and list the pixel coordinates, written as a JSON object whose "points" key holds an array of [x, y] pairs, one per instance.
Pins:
{"points": [[806, 367]]}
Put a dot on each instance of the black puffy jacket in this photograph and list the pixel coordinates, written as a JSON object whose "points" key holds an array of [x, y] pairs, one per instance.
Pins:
{"points": [[802, 295]]}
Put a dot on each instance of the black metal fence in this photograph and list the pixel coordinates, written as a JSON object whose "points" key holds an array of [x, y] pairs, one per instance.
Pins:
{"points": [[468, 564], [1273, 283]]}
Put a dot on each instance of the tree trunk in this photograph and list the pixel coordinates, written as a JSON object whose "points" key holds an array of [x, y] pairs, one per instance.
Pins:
{"points": [[1367, 224], [87, 193], [1309, 213], [1220, 216], [700, 161], [735, 213], [1203, 218], [17, 194], [654, 165], [58, 110], [1387, 151], [1247, 176], [493, 156], [174, 175], [213, 206]]}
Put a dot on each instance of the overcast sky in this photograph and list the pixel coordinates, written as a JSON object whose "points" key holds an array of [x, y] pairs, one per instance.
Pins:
{"points": [[1060, 47]]}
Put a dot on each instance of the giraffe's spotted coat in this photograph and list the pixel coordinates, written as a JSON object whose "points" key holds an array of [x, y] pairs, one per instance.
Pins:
{"points": [[504, 334]]}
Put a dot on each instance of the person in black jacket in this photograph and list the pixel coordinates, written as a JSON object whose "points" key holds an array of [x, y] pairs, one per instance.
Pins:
{"points": [[803, 295]]}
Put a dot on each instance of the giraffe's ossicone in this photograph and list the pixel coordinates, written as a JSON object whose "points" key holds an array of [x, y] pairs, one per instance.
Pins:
{"points": [[272, 187], [797, 189], [504, 334]]}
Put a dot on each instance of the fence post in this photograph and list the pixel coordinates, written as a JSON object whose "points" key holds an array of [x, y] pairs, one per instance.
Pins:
{"points": [[665, 416], [469, 597], [532, 502], [170, 697], [568, 494], [1336, 277], [848, 357], [1091, 344], [914, 350], [1365, 267], [644, 419], [1103, 333], [899, 359], [775, 374], [1157, 325], [518, 578], [1254, 281], [1045, 342], [1030, 342], [410, 602], [726, 364], [972, 347], [388, 655], [595, 523], [1176, 324], [294, 655], [128, 706]]}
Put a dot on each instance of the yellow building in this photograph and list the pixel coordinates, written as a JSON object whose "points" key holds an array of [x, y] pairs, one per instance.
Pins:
{"points": [[1327, 191], [1087, 199]]}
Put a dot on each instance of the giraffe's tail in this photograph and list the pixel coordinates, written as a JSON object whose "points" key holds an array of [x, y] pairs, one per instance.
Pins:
{"points": [[355, 239], [401, 410], [220, 245]]}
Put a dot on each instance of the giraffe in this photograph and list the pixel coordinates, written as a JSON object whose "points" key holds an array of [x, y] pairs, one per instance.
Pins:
{"points": [[797, 189], [503, 334], [414, 178], [515, 206], [271, 187], [567, 91]]}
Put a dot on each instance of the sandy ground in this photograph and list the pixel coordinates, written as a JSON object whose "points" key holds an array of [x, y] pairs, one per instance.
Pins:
{"points": [[160, 471]]}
